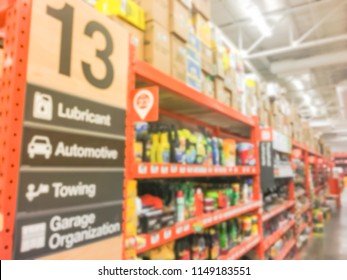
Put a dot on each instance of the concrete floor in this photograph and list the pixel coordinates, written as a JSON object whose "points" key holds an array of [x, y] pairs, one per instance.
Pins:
{"points": [[333, 244]]}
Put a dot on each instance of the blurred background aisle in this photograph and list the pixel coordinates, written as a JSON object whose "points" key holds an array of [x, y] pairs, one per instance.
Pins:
{"points": [[333, 244]]}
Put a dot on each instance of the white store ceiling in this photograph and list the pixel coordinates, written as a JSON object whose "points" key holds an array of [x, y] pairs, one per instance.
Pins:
{"points": [[306, 54]]}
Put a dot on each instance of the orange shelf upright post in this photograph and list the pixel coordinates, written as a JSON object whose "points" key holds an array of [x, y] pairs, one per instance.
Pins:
{"points": [[255, 138], [12, 96]]}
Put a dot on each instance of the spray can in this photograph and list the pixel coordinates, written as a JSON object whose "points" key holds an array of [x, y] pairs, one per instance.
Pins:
{"points": [[180, 206]]}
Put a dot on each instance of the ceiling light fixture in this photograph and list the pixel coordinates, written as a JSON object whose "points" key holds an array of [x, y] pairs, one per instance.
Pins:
{"points": [[258, 19], [298, 84], [307, 99]]}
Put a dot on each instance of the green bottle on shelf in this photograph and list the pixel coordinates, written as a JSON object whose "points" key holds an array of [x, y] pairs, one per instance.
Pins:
{"points": [[223, 238]]}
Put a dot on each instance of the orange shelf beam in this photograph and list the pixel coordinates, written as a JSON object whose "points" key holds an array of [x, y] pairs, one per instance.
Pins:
{"points": [[270, 240], [277, 210], [318, 189], [300, 193], [304, 209], [148, 73], [179, 230], [285, 250], [242, 249], [302, 227], [171, 170]]}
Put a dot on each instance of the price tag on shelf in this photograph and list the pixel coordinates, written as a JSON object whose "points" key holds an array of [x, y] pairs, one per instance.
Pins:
{"points": [[167, 233], [155, 238], [174, 168], [154, 169], [164, 169], [179, 230], [142, 169], [186, 227], [182, 170]]}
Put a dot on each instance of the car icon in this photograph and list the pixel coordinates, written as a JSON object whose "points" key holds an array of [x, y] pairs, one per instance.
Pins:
{"points": [[40, 145]]}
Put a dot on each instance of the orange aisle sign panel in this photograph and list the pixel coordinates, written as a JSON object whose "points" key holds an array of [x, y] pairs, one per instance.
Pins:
{"points": [[145, 104], [69, 181]]}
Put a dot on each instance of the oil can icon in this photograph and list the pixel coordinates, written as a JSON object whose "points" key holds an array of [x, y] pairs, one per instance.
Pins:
{"points": [[43, 106]]}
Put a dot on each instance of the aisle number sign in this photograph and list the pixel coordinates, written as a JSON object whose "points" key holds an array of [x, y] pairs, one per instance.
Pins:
{"points": [[72, 161]]}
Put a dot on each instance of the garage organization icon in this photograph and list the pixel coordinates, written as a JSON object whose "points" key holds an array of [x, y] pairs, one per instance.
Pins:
{"points": [[43, 106], [40, 146], [143, 103], [33, 237]]}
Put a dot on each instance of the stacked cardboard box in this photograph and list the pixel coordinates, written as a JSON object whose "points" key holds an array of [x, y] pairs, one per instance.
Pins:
{"points": [[157, 37], [194, 74], [128, 10], [130, 16], [179, 16]]}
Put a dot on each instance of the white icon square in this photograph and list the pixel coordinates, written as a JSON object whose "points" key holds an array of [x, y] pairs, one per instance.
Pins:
{"points": [[33, 237], [43, 106]]}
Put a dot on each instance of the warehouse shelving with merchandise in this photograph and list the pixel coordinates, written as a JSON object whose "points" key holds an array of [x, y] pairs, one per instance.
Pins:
{"points": [[100, 133]]}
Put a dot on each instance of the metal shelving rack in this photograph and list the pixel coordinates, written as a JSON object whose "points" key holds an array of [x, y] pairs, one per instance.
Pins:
{"points": [[193, 107], [181, 102]]}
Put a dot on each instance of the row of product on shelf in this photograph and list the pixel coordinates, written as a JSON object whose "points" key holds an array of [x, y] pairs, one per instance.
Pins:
{"points": [[277, 248], [163, 204], [210, 244], [276, 194], [163, 143], [276, 223]]}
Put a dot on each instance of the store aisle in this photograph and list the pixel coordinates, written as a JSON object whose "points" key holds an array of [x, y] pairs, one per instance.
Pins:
{"points": [[333, 245]]}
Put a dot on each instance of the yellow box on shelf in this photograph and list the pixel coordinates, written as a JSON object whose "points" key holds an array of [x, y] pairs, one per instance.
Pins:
{"points": [[128, 10]]}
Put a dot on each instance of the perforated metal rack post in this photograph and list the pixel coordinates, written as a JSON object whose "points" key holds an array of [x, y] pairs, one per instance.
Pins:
{"points": [[12, 96]]}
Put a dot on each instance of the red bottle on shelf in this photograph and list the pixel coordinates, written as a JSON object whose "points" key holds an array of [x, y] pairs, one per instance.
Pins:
{"points": [[199, 202]]}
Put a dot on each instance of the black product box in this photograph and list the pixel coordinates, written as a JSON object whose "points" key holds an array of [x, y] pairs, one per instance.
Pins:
{"points": [[150, 221]]}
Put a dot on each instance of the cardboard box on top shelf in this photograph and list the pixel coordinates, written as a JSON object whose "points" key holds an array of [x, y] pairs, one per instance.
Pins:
{"points": [[207, 59], [194, 47], [208, 85], [236, 100], [156, 10], [194, 74], [157, 46], [218, 64], [264, 118], [216, 37], [179, 19], [203, 7], [230, 79], [266, 103], [128, 10], [202, 29], [137, 37], [219, 89], [275, 108], [253, 103], [178, 58], [227, 97]]}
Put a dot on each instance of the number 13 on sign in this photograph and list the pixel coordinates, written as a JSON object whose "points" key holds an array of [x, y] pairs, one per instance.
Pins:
{"points": [[75, 47]]}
